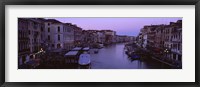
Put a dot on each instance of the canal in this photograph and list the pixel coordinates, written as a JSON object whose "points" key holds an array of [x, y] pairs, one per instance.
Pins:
{"points": [[114, 57]]}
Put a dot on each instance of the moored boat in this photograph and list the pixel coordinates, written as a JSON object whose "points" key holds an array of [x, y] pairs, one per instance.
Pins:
{"points": [[84, 61]]}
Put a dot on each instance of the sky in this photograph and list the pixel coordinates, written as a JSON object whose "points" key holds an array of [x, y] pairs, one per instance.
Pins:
{"points": [[122, 26]]}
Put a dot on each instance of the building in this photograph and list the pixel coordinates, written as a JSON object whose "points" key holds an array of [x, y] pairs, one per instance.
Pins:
{"points": [[110, 36], [164, 41], [34, 27], [174, 41], [69, 36], [101, 37], [59, 35], [159, 39], [78, 40], [29, 37], [23, 40], [53, 34]]}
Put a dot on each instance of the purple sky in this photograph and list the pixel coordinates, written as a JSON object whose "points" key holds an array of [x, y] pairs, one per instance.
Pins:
{"points": [[123, 26]]}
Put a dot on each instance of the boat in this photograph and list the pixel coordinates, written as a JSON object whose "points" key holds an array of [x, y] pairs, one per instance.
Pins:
{"points": [[86, 49], [135, 56], [84, 61], [96, 51], [101, 46]]}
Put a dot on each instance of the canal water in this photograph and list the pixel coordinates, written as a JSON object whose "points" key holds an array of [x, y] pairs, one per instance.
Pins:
{"points": [[114, 57]]}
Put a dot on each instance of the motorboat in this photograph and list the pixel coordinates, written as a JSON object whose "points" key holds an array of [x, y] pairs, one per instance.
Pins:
{"points": [[84, 61], [96, 51]]}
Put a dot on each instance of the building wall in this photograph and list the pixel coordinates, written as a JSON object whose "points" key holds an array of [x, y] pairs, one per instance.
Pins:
{"points": [[23, 40], [61, 35], [29, 37], [77, 36], [166, 39], [34, 27], [68, 37]]}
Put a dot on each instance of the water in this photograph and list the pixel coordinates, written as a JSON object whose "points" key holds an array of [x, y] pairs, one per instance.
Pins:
{"points": [[114, 57]]}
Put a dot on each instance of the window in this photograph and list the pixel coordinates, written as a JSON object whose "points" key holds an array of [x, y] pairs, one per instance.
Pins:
{"points": [[48, 37], [68, 30], [174, 56], [29, 32], [179, 57], [58, 28], [179, 46], [58, 46], [58, 37], [48, 29], [35, 25], [41, 29]]}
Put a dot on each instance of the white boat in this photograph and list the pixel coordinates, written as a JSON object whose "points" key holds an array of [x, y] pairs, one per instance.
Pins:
{"points": [[86, 49], [96, 51], [84, 60]]}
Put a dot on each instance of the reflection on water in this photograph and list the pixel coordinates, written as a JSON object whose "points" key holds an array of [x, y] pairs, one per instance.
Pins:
{"points": [[114, 57]]}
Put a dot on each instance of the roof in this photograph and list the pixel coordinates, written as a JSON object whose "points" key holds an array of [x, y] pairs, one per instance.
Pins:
{"points": [[86, 48], [53, 21], [76, 48], [37, 20], [71, 53]]}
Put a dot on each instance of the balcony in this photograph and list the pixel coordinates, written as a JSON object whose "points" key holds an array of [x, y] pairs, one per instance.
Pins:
{"points": [[176, 51], [176, 40]]}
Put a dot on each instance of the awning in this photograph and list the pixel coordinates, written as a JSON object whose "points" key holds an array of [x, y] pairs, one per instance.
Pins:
{"points": [[76, 48], [71, 53]]}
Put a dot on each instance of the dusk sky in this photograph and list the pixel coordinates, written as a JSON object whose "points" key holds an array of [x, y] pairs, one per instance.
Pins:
{"points": [[123, 26]]}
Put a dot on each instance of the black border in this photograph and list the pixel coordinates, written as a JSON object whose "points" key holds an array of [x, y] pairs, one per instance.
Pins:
{"points": [[98, 2]]}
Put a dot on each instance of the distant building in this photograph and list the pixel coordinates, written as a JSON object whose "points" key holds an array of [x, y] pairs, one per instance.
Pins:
{"points": [[78, 40], [109, 36], [101, 37]]}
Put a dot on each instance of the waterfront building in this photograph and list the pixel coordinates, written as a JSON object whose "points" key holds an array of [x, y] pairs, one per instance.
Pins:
{"points": [[53, 34], [34, 27], [86, 38], [140, 40], [101, 37], [159, 39], [29, 45], [164, 41], [23, 40], [176, 41], [69, 37], [109, 36], [78, 40], [59, 35]]}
